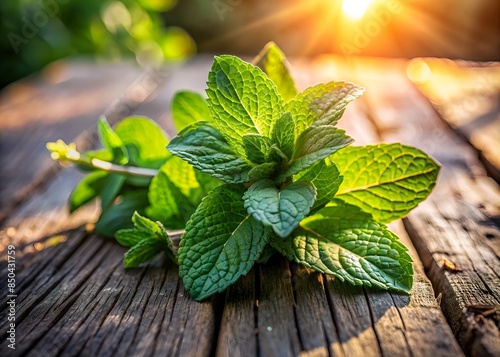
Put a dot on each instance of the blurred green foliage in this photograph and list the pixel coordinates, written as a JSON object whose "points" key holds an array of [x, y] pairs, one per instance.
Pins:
{"points": [[37, 32]]}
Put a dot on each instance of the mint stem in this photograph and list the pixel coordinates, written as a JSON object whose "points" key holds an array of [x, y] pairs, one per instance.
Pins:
{"points": [[119, 169]]}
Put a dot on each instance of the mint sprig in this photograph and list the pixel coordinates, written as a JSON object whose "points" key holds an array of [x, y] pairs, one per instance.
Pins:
{"points": [[256, 168]]}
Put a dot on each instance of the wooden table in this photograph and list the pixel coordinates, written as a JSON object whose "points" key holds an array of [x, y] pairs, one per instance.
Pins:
{"points": [[75, 299]]}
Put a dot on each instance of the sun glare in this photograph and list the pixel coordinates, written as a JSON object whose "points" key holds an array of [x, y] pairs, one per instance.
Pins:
{"points": [[355, 9]]}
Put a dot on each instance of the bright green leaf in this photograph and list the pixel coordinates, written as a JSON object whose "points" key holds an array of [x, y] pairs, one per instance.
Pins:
{"points": [[274, 63], [326, 178], [385, 180], [315, 144], [322, 104], [221, 243], [112, 142], [283, 134], [205, 148], [242, 100], [86, 190], [280, 209], [163, 205], [189, 107], [145, 141], [351, 246]]}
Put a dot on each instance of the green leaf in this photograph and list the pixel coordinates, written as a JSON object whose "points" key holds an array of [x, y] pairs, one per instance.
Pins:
{"points": [[326, 178], [142, 252], [385, 180], [274, 63], [112, 186], [256, 147], [205, 148], [322, 104], [207, 183], [87, 189], [280, 209], [221, 243], [353, 247], [145, 229], [189, 107], [242, 100], [315, 144], [119, 216], [145, 141], [111, 141], [163, 205], [283, 134], [262, 171]]}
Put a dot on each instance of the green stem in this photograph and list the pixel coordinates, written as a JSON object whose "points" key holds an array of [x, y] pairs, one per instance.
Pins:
{"points": [[119, 169]]}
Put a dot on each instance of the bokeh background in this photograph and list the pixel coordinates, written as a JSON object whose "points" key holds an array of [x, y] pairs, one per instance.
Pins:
{"points": [[151, 32]]}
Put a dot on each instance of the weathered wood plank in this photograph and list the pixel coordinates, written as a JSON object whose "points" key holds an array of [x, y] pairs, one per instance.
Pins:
{"points": [[448, 225], [467, 97], [275, 311]]}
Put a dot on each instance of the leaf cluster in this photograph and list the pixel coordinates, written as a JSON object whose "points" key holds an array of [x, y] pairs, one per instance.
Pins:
{"points": [[292, 184], [257, 168]]}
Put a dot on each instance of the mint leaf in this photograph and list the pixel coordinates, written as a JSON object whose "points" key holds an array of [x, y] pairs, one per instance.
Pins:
{"points": [[142, 252], [221, 243], [111, 141], [385, 180], [344, 242], [322, 104], [274, 63], [262, 171], [207, 183], [283, 134], [145, 230], [145, 141], [280, 209], [256, 147], [111, 187], [315, 144], [205, 148], [326, 178], [189, 107], [86, 190], [118, 216], [242, 100], [163, 204]]}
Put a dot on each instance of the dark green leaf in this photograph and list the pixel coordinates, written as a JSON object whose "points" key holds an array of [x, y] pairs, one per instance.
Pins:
{"points": [[221, 243], [326, 178], [351, 246], [111, 188], [119, 216], [256, 147], [280, 209], [205, 148], [315, 144], [87, 189]]}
